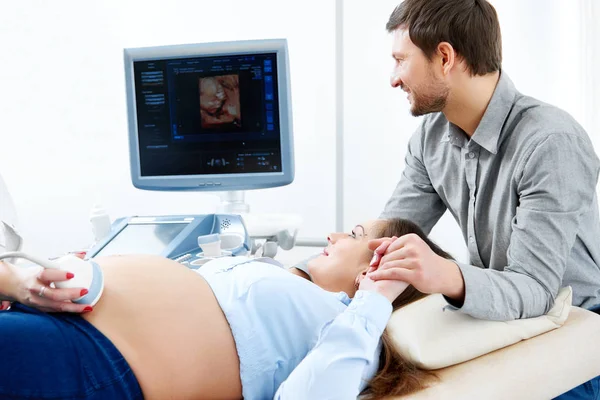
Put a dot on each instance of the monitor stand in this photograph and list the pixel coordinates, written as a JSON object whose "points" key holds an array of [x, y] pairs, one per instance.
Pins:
{"points": [[280, 228], [234, 202]]}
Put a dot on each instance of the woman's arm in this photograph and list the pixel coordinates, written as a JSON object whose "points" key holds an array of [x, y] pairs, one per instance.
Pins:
{"points": [[335, 367]]}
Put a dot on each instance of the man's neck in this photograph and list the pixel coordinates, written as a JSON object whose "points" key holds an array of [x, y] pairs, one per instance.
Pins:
{"points": [[469, 99]]}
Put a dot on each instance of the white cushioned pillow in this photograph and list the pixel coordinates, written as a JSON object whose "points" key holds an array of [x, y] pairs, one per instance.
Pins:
{"points": [[433, 336]]}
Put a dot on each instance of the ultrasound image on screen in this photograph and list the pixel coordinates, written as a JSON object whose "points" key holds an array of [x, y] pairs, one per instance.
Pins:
{"points": [[218, 103]]}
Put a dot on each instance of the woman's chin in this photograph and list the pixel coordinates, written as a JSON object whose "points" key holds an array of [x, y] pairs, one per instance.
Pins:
{"points": [[316, 263]]}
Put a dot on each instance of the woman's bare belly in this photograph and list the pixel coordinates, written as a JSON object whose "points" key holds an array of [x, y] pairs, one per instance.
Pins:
{"points": [[167, 323]]}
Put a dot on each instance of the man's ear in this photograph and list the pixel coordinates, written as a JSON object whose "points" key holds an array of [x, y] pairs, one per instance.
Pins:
{"points": [[447, 57]]}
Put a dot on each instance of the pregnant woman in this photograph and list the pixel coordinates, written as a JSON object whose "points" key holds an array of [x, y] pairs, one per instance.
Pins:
{"points": [[236, 328]]}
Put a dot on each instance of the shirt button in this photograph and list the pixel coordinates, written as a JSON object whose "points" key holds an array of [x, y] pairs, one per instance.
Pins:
{"points": [[471, 154], [359, 295], [471, 239], [352, 307]]}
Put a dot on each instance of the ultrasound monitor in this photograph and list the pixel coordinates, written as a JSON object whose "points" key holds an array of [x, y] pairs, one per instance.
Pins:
{"points": [[211, 116]]}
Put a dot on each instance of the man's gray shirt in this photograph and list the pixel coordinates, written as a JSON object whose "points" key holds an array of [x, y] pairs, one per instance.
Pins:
{"points": [[523, 190]]}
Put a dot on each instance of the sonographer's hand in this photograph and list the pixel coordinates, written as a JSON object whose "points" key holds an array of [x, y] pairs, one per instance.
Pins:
{"points": [[31, 286], [5, 305]]}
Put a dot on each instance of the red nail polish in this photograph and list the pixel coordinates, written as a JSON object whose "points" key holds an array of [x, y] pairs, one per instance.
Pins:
{"points": [[70, 275], [83, 292], [88, 309]]}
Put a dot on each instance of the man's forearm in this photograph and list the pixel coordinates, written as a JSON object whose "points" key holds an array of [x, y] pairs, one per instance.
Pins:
{"points": [[454, 285], [502, 295]]}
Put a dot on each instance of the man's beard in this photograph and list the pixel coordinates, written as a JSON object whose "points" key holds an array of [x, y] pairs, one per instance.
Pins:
{"points": [[429, 98]]}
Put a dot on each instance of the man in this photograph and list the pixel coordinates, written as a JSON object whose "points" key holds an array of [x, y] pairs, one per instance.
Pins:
{"points": [[518, 175]]}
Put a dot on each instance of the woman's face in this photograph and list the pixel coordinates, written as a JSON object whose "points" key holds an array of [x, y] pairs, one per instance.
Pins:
{"points": [[346, 257]]}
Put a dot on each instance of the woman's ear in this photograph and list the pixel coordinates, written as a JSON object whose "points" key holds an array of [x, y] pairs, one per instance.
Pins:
{"points": [[359, 278]]}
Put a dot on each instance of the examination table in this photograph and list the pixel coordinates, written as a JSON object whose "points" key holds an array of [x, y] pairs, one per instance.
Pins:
{"points": [[541, 367], [538, 368]]}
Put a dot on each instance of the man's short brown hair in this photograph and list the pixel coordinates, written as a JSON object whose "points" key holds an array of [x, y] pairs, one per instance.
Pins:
{"points": [[470, 26]]}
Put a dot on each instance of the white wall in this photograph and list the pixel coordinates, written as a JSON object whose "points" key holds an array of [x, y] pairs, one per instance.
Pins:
{"points": [[63, 126], [543, 55], [63, 118]]}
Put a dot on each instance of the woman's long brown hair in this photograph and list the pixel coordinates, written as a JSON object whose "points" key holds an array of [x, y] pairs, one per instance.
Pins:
{"points": [[397, 376]]}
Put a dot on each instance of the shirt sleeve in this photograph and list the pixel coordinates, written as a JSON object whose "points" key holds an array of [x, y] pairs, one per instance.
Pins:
{"points": [[556, 187], [414, 197], [347, 347]]}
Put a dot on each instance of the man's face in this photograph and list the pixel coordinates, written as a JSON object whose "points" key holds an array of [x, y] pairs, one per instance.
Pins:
{"points": [[416, 75]]}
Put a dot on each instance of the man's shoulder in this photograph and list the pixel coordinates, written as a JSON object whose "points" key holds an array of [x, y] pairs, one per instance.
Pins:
{"points": [[433, 126], [536, 116]]}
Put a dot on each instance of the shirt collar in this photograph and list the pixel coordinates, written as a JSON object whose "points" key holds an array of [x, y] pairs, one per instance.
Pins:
{"points": [[489, 130]]}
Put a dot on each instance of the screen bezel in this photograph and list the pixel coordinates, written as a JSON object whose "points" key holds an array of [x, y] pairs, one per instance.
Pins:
{"points": [[214, 182]]}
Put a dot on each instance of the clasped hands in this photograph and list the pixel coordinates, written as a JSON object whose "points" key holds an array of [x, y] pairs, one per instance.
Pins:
{"points": [[409, 259]]}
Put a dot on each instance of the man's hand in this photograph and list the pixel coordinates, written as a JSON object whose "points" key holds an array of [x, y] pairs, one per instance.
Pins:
{"points": [[411, 260]]}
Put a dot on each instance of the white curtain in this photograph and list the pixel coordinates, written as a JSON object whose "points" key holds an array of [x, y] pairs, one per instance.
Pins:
{"points": [[590, 52]]}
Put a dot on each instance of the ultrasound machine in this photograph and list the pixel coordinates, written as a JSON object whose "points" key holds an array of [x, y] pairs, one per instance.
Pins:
{"points": [[207, 117]]}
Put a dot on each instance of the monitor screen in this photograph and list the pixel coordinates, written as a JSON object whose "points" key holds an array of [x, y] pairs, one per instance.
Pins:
{"points": [[142, 239], [210, 116]]}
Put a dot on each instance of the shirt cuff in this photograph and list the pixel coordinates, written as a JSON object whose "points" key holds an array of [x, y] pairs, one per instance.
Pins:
{"points": [[472, 276], [373, 307]]}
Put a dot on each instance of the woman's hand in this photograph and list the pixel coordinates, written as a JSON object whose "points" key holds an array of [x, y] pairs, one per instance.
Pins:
{"points": [[391, 289], [410, 259], [31, 286]]}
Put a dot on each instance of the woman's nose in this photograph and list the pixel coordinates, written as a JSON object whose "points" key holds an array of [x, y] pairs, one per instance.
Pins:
{"points": [[334, 237]]}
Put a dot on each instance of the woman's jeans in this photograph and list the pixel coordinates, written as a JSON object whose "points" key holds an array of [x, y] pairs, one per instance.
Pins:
{"points": [[588, 390], [59, 356]]}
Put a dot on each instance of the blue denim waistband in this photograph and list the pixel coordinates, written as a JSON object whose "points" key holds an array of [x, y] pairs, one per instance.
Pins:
{"points": [[60, 356]]}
